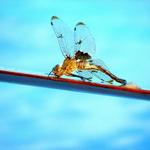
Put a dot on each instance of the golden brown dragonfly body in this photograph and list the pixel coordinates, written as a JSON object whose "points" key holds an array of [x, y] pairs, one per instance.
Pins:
{"points": [[71, 65], [77, 55]]}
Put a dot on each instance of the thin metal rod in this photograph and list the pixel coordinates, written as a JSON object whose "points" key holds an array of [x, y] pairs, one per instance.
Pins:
{"points": [[72, 85]]}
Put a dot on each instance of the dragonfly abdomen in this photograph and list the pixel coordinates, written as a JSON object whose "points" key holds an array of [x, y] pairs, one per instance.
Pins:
{"points": [[122, 81]]}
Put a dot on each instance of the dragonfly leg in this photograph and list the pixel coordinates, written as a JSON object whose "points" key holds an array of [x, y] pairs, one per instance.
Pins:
{"points": [[50, 73], [82, 78]]}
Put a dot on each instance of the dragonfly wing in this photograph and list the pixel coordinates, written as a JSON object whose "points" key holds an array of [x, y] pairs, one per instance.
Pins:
{"points": [[85, 74], [103, 77], [98, 62], [100, 75], [84, 41], [64, 36]]}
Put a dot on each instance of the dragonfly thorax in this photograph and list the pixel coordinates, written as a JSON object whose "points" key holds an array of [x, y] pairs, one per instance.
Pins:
{"points": [[69, 66], [82, 55]]}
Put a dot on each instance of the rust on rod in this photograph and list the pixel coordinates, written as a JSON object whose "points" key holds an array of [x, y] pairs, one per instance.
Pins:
{"points": [[72, 85]]}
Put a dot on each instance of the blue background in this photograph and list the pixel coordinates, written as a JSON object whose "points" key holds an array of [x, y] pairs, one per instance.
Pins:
{"points": [[36, 118]]}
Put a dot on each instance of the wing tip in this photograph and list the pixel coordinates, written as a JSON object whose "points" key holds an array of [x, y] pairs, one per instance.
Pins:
{"points": [[80, 24], [54, 17]]}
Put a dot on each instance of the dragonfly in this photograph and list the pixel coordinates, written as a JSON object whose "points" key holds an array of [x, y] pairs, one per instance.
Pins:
{"points": [[78, 47]]}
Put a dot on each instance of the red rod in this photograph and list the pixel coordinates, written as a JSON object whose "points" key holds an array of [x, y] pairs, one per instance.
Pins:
{"points": [[73, 85]]}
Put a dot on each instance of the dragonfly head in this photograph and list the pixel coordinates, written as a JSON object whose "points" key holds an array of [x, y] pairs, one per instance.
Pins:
{"points": [[56, 71]]}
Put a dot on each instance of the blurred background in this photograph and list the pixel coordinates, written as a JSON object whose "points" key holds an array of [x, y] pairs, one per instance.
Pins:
{"points": [[34, 118]]}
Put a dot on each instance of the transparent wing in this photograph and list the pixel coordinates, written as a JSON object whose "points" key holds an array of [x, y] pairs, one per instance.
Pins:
{"points": [[98, 62], [100, 75], [84, 40], [85, 74], [64, 36]]}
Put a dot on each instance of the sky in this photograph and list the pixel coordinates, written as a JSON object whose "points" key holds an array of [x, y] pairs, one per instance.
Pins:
{"points": [[49, 119]]}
